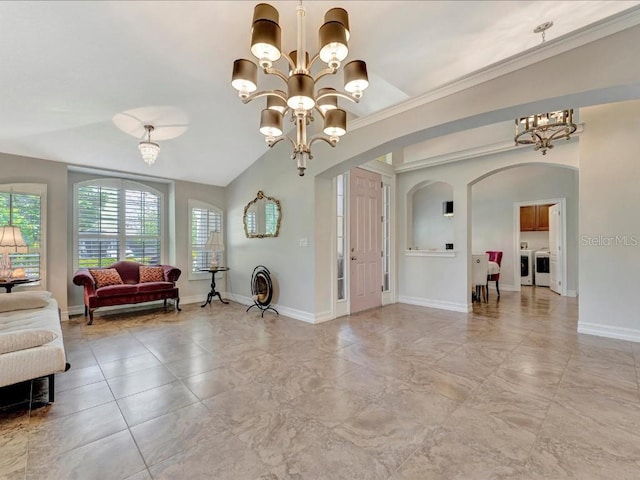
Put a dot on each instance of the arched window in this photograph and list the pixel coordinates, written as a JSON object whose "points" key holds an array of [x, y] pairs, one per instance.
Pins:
{"points": [[117, 220], [203, 220], [24, 205]]}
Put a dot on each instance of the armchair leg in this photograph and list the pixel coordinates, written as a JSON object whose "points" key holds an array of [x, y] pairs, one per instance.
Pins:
{"points": [[86, 310], [178, 304], [498, 287], [90, 316]]}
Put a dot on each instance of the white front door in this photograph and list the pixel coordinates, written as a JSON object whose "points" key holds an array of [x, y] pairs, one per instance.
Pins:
{"points": [[365, 195], [555, 248]]}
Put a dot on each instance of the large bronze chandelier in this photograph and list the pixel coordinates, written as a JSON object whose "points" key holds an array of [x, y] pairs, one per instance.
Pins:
{"points": [[301, 98]]}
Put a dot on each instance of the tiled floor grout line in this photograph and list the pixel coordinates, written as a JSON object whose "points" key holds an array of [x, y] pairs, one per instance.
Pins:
{"points": [[543, 346], [128, 427], [555, 391]]}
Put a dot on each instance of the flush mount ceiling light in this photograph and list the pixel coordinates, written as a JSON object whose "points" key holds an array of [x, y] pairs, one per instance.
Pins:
{"points": [[148, 149], [541, 129], [302, 96]]}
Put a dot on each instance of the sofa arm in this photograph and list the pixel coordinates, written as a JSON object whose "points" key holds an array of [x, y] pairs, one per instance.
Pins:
{"points": [[171, 274], [84, 279]]}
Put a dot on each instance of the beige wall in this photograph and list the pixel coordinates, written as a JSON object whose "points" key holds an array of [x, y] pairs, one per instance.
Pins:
{"points": [[308, 204], [176, 250], [492, 215], [16, 169], [609, 221], [60, 183]]}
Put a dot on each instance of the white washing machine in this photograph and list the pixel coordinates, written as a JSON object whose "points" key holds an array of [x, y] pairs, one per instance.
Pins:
{"points": [[542, 277], [526, 267]]}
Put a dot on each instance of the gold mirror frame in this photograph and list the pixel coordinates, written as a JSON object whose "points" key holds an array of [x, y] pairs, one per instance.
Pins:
{"points": [[261, 197]]}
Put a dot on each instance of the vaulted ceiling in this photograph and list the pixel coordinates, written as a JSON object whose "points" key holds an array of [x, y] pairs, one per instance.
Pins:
{"points": [[80, 79]]}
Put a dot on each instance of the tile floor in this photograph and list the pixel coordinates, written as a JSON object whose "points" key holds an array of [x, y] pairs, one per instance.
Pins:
{"points": [[401, 392]]}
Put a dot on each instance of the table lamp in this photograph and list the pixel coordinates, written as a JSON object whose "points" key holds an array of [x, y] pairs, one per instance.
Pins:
{"points": [[11, 241], [214, 243]]}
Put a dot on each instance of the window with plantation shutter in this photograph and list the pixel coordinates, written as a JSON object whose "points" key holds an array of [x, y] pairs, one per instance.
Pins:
{"points": [[271, 218], [22, 205], [204, 219], [117, 220]]}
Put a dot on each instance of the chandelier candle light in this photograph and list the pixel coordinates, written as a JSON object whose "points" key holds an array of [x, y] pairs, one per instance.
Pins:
{"points": [[302, 97], [148, 149], [541, 129]]}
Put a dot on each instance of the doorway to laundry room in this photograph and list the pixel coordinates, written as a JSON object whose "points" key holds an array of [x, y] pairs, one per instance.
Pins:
{"points": [[541, 227]]}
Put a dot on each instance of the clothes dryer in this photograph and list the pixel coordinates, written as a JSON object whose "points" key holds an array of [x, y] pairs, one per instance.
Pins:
{"points": [[542, 277]]}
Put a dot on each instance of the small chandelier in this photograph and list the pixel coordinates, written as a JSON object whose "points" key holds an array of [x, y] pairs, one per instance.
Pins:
{"points": [[541, 129], [148, 149], [301, 97]]}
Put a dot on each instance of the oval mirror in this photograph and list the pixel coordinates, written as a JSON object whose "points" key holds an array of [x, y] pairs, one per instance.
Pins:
{"points": [[262, 217]]}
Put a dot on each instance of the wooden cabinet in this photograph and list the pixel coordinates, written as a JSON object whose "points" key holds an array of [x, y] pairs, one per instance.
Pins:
{"points": [[534, 218], [542, 218], [528, 218]]}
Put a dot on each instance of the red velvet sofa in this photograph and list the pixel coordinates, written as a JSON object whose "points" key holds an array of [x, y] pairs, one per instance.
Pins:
{"points": [[130, 290]]}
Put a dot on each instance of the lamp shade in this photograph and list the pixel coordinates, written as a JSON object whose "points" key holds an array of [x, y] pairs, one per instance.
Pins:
{"points": [[276, 103], [338, 15], [11, 240], [245, 76], [327, 103], [264, 11], [355, 76], [215, 241], [294, 58], [335, 122], [300, 92], [265, 40], [333, 42], [270, 123]]}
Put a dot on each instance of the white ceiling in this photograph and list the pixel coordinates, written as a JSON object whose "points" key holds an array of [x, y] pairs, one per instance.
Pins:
{"points": [[80, 79]]}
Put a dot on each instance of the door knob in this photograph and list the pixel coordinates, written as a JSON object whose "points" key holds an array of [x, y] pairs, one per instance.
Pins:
{"points": [[353, 258]]}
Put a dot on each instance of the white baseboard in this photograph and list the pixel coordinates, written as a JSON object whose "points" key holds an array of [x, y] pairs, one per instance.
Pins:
{"points": [[572, 293], [301, 315], [428, 302], [193, 299], [619, 333]]}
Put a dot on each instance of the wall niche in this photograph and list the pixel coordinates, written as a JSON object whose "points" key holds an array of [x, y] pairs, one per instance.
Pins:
{"points": [[432, 227]]}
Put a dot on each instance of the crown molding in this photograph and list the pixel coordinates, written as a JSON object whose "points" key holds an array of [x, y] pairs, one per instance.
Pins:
{"points": [[590, 33], [482, 150]]}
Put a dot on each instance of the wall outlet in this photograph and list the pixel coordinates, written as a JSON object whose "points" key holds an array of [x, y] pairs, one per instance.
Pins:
{"points": [[304, 242]]}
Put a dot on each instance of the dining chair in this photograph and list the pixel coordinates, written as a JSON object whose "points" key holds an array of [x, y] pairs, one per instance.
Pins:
{"points": [[479, 270], [492, 276]]}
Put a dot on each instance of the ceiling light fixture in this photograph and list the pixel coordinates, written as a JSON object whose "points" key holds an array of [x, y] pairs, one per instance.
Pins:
{"points": [[541, 129], [148, 149], [301, 96]]}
